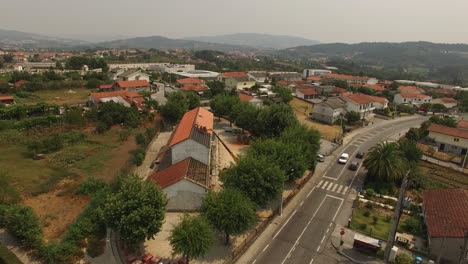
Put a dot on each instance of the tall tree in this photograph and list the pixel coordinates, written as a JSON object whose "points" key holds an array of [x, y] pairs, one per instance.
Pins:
{"points": [[136, 210], [306, 137], [229, 211], [385, 162], [257, 177], [410, 151], [192, 237], [222, 104], [273, 120], [245, 116], [192, 99]]}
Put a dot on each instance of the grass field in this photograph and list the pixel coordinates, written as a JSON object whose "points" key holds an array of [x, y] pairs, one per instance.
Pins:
{"points": [[7, 257], [302, 110], [60, 97]]}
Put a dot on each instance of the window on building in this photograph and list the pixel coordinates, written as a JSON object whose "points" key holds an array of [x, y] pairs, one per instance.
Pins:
{"points": [[456, 139]]}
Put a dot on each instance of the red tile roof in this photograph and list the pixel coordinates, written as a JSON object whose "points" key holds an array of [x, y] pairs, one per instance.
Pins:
{"points": [[190, 81], [450, 131], [7, 98], [20, 83], [409, 89], [196, 88], [362, 99], [234, 74], [282, 82], [197, 117], [132, 84], [314, 78], [105, 86], [375, 87], [462, 124], [245, 97], [129, 97], [171, 174], [448, 100], [308, 91], [339, 90], [446, 212], [344, 76], [409, 95]]}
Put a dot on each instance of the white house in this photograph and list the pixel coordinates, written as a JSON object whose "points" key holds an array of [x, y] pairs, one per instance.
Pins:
{"points": [[408, 98], [364, 104], [258, 76], [314, 72], [330, 110], [449, 139], [250, 99], [133, 75], [307, 93], [446, 101]]}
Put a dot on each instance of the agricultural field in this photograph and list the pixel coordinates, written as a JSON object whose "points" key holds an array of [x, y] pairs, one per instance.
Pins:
{"points": [[59, 97], [441, 177], [302, 110]]}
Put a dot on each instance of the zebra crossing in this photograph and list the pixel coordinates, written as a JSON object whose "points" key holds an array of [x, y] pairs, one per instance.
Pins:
{"points": [[332, 187]]}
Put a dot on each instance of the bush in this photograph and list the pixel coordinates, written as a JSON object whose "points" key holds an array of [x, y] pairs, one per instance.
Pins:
{"points": [[139, 157], [24, 224], [140, 139], [375, 219], [123, 135], [412, 226], [91, 186], [370, 192], [388, 219], [403, 259], [363, 226], [369, 205], [367, 213]]}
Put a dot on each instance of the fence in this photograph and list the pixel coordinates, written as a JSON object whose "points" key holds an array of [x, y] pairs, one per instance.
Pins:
{"points": [[254, 234]]}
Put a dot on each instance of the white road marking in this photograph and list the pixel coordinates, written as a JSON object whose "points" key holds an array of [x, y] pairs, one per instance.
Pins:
{"points": [[310, 192], [301, 203], [285, 223], [339, 189], [318, 248], [254, 261], [330, 186], [345, 189], [326, 177], [305, 228], [325, 185], [323, 238], [311, 261], [320, 183], [334, 187], [265, 247], [342, 200]]}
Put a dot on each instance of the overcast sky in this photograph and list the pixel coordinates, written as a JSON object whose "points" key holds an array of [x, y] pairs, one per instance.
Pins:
{"points": [[324, 20]]}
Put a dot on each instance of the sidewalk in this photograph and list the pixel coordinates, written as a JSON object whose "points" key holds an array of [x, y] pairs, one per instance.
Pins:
{"points": [[15, 247], [152, 153]]}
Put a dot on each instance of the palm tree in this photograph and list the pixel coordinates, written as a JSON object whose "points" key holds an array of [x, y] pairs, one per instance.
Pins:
{"points": [[192, 237], [385, 161]]}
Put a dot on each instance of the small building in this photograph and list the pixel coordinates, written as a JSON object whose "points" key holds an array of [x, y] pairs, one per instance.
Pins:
{"points": [[330, 110], [204, 75], [190, 82], [133, 75], [133, 86], [446, 217], [237, 80], [250, 99], [307, 93], [288, 76], [411, 98], [462, 124], [446, 101], [350, 79], [314, 72], [7, 100], [185, 183], [449, 139], [18, 67], [114, 73], [123, 97], [258, 76], [409, 90], [364, 104], [199, 89], [106, 87]]}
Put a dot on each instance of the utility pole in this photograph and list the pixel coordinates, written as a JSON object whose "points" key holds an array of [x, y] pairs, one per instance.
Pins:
{"points": [[396, 218]]}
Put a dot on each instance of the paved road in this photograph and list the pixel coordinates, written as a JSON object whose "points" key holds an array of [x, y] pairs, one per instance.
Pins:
{"points": [[306, 231]]}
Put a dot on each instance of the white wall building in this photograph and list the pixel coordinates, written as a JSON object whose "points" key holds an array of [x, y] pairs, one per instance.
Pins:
{"points": [[415, 99], [314, 72]]}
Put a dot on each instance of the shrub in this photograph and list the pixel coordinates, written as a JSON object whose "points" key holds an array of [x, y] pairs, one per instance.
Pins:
{"points": [[140, 139], [363, 226], [370, 192], [412, 225], [369, 205], [375, 219], [123, 135], [139, 157], [388, 219], [366, 213], [403, 259], [24, 224], [91, 186]]}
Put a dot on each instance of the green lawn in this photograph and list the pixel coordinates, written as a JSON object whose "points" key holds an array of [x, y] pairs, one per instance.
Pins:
{"points": [[7, 257], [60, 97]]}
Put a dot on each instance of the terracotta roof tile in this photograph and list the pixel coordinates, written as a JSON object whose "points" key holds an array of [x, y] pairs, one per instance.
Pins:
{"points": [[446, 212], [314, 78], [6, 98], [410, 95], [462, 124], [190, 81], [189, 168], [234, 74], [105, 86], [375, 87], [365, 99], [132, 84], [451, 131], [197, 117], [196, 88], [344, 76], [308, 91], [20, 83], [409, 89], [448, 100], [245, 97]]}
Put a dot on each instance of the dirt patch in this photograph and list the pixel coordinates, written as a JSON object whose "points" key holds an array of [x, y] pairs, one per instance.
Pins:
{"points": [[58, 208], [120, 156]]}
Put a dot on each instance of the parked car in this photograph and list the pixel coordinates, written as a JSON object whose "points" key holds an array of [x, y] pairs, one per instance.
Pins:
{"points": [[343, 158], [320, 158], [354, 165], [360, 155]]}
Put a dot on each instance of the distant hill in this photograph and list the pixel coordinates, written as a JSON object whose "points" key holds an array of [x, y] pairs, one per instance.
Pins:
{"points": [[18, 39], [421, 60], [158, 42], [257, 40]]}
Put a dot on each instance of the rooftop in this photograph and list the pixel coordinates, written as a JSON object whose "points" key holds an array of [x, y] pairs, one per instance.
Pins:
{"points": [[195, 88], [344, 76], [409, 95], [196, 119], [132, 84], [362, 99], [446, 212], [450, 131], [245, 97], [189, 168], [308, 91], [374, 87], [234, 74], [190, 81], [409, 89], [463, 124]]}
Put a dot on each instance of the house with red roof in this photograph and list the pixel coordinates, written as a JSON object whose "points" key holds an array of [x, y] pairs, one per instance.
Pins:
{"points": [[409, 90], [307, 93], [133, 86], [411, 98], [462, 124], [190, 82], [7, 100], [449, 139], [251, 99], [106, 87], [364, 104], [446, 218], [375, 87], [238, 80], [446, 101], [350, 79], [123, 97], [183, 172]]}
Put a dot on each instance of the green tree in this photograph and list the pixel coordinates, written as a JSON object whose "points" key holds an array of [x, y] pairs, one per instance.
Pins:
{"points": [[439, 108], [245, 116], [222, 104], [193, 100], [216, 87], [410, 151], [258, 178], [273, 120], [352, 117], [136, 210], [385, 162], [305, 137], [172, 111], [74, 117], [192, 237], [229, 211], [290, 157], [283, 93], [444, 121], [413, 134]]}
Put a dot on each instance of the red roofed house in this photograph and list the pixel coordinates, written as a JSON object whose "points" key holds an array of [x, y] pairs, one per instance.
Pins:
{"points": [[7, 100], [409, 89], [106, 87], [122, 97], [375, 87], [364, 104], [350, 79], [412, 98], [133, 86], [449, 139], [250, 99], [183, 172], [194, 88], [446, 217], [314, 78], [237, 80], [462, 124], [446, 101], [190, 82], [20, 83], [307, 93]]}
